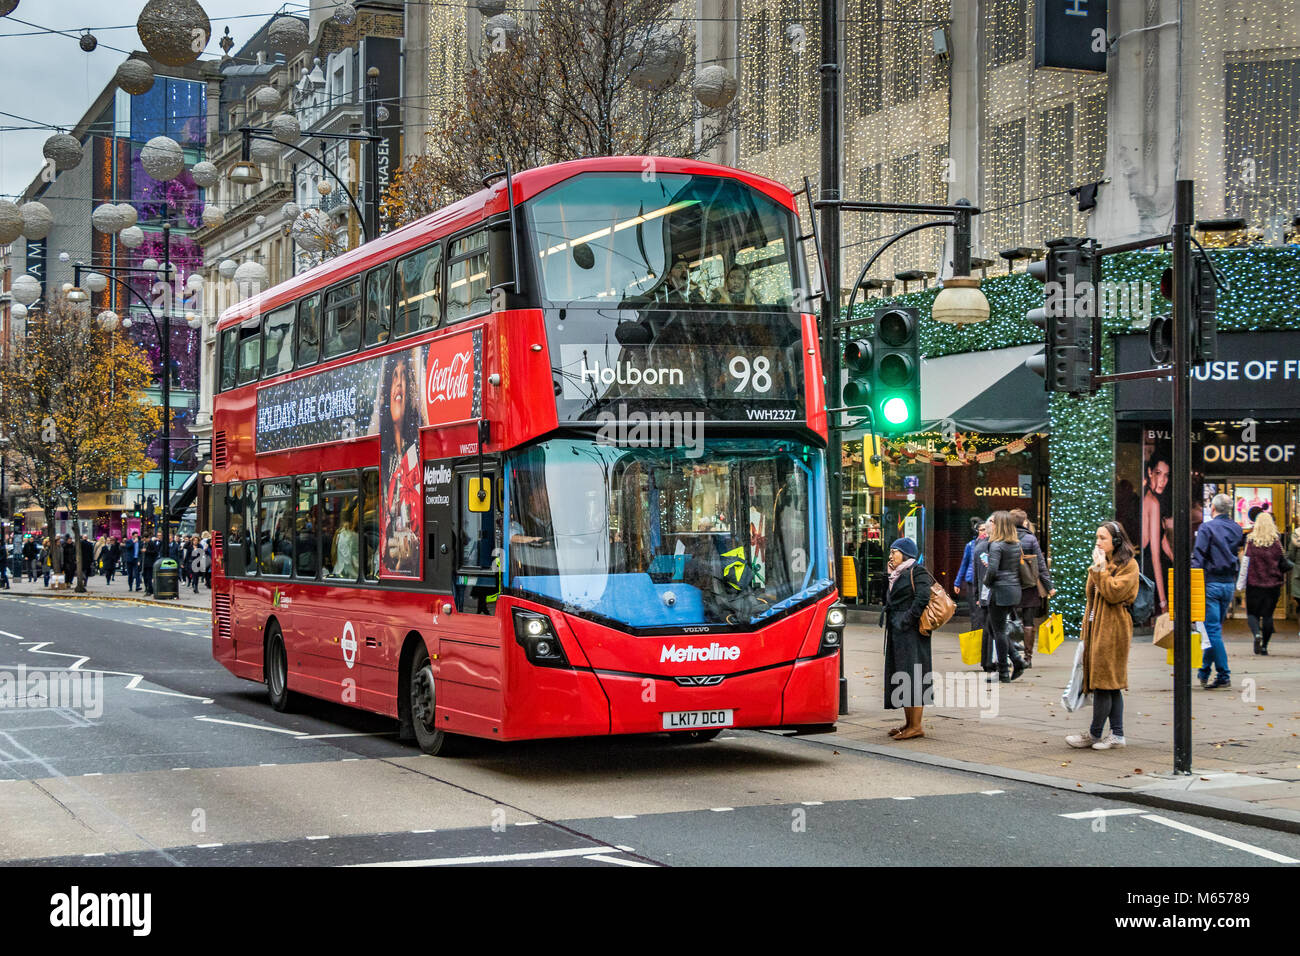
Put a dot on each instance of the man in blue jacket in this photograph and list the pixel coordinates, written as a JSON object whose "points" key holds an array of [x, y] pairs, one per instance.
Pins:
{"points": [[1218, 542], [131, 555]]}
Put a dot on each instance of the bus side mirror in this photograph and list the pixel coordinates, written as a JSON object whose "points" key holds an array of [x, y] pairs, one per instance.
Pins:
{"points": [[480, 495], [501, 253]]}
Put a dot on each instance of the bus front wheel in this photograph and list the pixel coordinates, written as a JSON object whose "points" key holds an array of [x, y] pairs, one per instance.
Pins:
{"points": [[421, 696], [277, 670]]}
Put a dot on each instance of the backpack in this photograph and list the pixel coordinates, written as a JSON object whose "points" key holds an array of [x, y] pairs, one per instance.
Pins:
{"points": [[938, 610]]}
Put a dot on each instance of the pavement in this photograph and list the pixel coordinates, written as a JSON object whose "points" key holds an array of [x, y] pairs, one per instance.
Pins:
{"points": [[97, 590], [1245, 740]]}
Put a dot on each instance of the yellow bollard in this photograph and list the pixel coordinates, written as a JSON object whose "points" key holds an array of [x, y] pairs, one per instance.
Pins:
{"points": [[848, 577], [1198, 594]]}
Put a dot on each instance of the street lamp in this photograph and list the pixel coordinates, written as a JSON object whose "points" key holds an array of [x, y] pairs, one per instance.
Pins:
{"points": [[245, 173]]}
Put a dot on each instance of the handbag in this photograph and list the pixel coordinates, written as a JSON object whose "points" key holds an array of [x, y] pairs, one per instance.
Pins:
{"points": [[938, 610], [1144, 605], [1051, 634], [1285, 564], [971, 643], [1029, 570], [1073, 697]]}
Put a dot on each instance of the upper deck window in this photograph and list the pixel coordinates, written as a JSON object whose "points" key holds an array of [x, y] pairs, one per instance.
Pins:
{"points": [[700, 242], [419, 291], [309, 330], [277, 339], [467, 276], [250, 353], [343, 319]]}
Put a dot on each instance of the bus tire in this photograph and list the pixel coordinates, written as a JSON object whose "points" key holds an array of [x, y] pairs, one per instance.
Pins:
{"points": [[276, 667], [694, 736], [421, 697]]}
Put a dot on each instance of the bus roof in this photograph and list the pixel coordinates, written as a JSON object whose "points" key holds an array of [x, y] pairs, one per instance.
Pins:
{"points": [[465, 212]]}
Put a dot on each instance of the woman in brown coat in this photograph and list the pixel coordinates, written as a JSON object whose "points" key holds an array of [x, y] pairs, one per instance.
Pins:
{"points": [[1107, 634]]}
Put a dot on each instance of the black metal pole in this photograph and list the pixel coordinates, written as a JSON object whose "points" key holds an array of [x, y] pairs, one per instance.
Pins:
{"points": [[1182, 347], [166, 387], [372, 153], [830, 231]]}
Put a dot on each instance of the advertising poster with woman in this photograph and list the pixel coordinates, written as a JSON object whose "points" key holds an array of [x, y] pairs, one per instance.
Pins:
{"points": [[401, 415], [1157, 515]]}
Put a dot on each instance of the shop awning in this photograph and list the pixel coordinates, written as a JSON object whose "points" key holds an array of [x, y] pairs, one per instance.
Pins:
{"points": [[989, 391]]}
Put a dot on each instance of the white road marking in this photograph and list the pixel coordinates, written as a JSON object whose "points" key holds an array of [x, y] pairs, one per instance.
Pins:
{"points": [[424, 831], [180, 768], [36, 647], [904, 798], [326, 837], [992, 793], [1093, 814], [240, 723], [812, 803], [721, 809], [500, 858], [611, 859], [625, 849], [328, 736], [208, 846], [268, 765], [1226, 841], [526, 823], [94, 854], [625, 816], [95, 774]]}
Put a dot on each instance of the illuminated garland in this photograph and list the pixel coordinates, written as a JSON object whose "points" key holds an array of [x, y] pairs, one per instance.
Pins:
{"points": [[963, 451]]}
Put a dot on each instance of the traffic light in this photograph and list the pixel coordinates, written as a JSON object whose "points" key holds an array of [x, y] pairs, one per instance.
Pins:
{"points": [[1205, 309], [885, 371], [1068, 314]]}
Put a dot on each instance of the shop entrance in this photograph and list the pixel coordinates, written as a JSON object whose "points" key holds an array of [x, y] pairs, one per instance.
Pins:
{"points": [[1249, 495]]}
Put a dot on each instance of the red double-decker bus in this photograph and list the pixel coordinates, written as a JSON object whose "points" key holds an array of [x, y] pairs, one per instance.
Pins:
{"points": [[548, 462]]}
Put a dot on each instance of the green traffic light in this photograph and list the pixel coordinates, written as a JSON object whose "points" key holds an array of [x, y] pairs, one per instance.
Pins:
{"points": [[895, 410]]}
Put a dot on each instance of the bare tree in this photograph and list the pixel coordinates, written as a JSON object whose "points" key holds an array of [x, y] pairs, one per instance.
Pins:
{"points": [[581, 78]]}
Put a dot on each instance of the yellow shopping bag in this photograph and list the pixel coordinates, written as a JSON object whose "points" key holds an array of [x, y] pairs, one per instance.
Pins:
{"points": [[1196, 652], [1051, 634], [972, 645]]}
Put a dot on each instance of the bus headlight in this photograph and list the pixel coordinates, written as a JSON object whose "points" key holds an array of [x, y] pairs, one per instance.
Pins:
{"points": [[837, 616], [533, 632]]}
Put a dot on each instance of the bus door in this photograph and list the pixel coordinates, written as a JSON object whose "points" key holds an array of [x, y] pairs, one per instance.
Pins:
{"points": [[439, 545]]}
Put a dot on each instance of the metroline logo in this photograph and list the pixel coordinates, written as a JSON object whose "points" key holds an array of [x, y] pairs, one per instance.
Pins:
{"points": [[714, 652]]}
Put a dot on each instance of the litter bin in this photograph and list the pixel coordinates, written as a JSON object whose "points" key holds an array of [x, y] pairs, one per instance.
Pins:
{"points": [[164, 579]]}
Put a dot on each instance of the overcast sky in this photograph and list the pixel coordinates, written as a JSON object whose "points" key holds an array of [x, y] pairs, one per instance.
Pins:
{"points": [[47, 78]]}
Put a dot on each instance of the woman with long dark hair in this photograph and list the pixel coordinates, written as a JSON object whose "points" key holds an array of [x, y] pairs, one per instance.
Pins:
{"points": [[1107, 635], [399, 448], [1157, 548], [1002, 579]]}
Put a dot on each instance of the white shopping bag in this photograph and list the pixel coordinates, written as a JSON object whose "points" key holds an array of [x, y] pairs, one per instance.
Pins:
{"points": [[1205, 638], [1073, 697]]}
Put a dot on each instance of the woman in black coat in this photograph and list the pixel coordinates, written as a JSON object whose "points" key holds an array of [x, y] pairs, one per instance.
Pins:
{"points": [[112, 555], [1031, 602], [1002, 579], [907, 650]]}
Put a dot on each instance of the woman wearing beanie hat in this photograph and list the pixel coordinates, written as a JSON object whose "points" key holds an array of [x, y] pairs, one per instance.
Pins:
{"points": [[907, 650]]}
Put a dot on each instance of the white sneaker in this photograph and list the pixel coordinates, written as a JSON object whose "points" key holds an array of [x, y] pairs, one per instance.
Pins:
{"points": [[1080, 741], [1108, 742]]}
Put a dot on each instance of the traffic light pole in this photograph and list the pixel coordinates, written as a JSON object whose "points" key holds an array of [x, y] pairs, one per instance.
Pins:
{"points": [[830, 237], [1184, 318]]}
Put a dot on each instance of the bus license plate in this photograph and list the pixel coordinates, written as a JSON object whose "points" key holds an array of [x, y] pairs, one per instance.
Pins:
{"points": [[696, 719]]}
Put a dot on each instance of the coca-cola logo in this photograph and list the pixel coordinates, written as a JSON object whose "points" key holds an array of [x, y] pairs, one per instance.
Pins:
{"points": [[450, 382]]}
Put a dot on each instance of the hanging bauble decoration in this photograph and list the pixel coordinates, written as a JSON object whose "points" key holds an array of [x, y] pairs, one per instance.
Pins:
{"points": [[213, 216], [135, 76], [290, 210], [108, 319], [658, 59], [174, 32], [65, 257], [65, 150], [266, 98], [11, 222], [285, 128], [25, 290], [149, 265], [37, 220], [129, 215], [382, 114], [205, 174], [251, 274], [132, 237], [264, 151], [7, 7], [162, 158], [108, 218], [195, 282], [345, 14], [310, 230], [192, 320], [88, 42], [95, 282], [17, 311], [491, 8], [227, 268], [324, 187], [503, 26], [287, 34], [126, 321], [715, 87]]}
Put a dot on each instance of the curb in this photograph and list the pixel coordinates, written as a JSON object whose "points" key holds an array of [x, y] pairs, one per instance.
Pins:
{"points": [[1219, 808], [142, 602]]}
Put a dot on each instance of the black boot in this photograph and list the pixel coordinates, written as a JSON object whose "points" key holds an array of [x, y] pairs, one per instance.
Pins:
{"points": [[1258, 645], [1263, 644], [1003, 676], [1017, 660]]}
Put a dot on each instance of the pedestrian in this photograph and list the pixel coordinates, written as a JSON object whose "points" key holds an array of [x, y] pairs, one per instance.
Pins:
{"points": [[202, 563], [1218, 542], [112, 556], [4, 562], [907, 651], [69, 559], [148, 555], [979, 597], [1293, 555], [87, 563], [187, 560], [1265, 576], [1002, 580], [29, 557], [47, 559], [1034, 572], [1107, 635], [207, 564], [131, 555], [966, 570], [97, 556]]}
